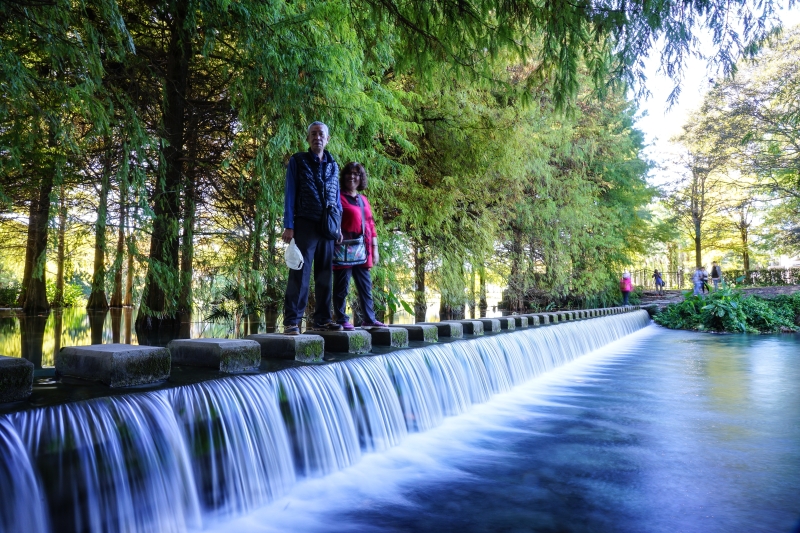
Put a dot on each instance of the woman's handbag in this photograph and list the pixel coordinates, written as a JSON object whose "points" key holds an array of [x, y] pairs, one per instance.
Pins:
{"points": [[352, 252]]}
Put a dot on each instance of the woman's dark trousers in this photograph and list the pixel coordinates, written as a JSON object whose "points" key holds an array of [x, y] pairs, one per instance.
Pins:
{"points": [[341, 284], [625, 295], [319, 251]]}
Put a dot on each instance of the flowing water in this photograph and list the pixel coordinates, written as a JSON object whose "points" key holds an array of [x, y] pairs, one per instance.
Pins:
{"points": [[510, 433]]}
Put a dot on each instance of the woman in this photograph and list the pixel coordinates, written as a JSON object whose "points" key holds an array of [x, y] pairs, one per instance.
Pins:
{"points": [[659, 282], [352, 180], [625, 287]]}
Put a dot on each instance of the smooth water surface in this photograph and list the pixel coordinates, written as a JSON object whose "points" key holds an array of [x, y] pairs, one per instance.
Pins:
{"points": [[662, 431]]}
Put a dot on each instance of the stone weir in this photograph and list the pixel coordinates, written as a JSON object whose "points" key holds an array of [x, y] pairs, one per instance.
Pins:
{"points": [[237, 423]]}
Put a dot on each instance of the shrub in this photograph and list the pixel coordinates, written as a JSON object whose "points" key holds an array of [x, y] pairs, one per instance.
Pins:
{"points": [[728, 310], [73, 293], [9, 292]]}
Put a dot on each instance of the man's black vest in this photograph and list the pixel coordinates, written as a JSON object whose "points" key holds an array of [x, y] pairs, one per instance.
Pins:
{"points": [[312, 179]]}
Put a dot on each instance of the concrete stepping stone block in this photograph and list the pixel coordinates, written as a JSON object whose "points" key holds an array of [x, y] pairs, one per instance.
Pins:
{"points": [[507, 323], [490, 324], [116, 365], [226, 355], [394, 337], [447, 328], [521, 321], [533, 320], [16, 379], [356, 342], [305, 348], [420, 332], [470, 327]]}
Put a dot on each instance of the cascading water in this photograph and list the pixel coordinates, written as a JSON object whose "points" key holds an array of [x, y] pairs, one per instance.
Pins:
{"points": [[175, 459]]}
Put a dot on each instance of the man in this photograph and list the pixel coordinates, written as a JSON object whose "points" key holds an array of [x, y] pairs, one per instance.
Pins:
{"points": [[716, 275], [312, 181]]}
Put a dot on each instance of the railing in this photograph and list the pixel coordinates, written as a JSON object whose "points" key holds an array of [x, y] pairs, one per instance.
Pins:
{"points": [[682, 279]]}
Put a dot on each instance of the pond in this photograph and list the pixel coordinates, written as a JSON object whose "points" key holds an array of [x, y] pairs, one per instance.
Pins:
{"points": [[661, 431]]}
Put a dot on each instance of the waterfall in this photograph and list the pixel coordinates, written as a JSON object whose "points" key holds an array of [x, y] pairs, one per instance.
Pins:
{"points": [[174, 459]]}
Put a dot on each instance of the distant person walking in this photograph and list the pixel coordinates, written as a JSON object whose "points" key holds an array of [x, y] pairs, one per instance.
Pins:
{"points": [[716, 275], [625, 287], [697, 281], [357, 251], [659, 282], [706, 288], [312, 187]]}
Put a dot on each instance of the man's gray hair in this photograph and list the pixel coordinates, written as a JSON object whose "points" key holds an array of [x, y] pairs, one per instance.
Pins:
{"points": [[318, 123]]}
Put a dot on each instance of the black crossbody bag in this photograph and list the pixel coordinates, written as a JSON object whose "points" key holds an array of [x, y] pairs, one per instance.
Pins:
{"points": [[330, 225]]}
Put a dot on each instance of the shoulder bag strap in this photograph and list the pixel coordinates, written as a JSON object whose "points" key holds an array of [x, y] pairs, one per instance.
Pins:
{"points": [[363, 218]]}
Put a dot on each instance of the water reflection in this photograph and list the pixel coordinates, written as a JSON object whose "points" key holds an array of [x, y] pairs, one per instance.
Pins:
{"points": [[39, 338]]}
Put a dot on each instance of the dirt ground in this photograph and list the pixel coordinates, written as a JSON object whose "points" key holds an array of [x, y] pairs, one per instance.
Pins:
{"points": [[674, 296]]}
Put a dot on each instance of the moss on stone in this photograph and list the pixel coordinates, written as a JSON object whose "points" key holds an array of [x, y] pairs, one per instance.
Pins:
{"points": [[431, 334], [399, 337], [311, 350], [359, 343]]}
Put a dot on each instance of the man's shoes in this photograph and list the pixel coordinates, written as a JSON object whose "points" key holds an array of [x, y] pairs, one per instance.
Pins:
{"points": [[328, 326], [291, 330], [347, 326], [370, 325]]}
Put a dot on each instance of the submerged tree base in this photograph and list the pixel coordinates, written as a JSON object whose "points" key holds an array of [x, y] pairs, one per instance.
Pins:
{"points": [[153, 331], [730, 310]]}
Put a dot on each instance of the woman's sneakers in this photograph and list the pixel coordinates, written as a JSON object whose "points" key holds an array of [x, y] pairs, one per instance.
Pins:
{"points": [[291, 330], [370, 325], [347, 326]]}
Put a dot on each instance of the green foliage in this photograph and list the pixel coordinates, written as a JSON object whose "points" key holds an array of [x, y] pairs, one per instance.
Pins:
{"points": [[74, 293], [9, 292], [728, 310]]}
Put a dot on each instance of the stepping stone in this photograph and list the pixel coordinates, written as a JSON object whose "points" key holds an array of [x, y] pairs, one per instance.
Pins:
{"points": [[395, 337], [490, 324], [116, 365], [420, 332], [533, 320], [470, 327], [447, 328], [508, 323], [305, 348], [16, 379], [225, 355], [554, 319], [357, 341], [521, 321]]}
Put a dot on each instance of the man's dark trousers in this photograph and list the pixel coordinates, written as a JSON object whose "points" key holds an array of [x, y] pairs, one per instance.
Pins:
{"points": [[320, 251]]}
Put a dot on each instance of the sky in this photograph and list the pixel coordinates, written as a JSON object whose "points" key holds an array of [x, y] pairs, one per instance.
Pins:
{"points": [[658, 123]]}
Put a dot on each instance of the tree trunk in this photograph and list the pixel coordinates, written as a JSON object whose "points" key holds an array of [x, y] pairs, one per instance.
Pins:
{"points": [[129, 270], [158, 318], [420, 305], [97, 298], [255, 268], [482, 304], [116, 295], [33, 297], [58, 299], [745, 250], [187, 246], [698, 250], [472, 294]]}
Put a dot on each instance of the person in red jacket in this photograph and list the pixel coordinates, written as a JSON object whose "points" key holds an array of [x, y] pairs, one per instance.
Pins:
{"points": [[352, 180], [625, 287]]}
